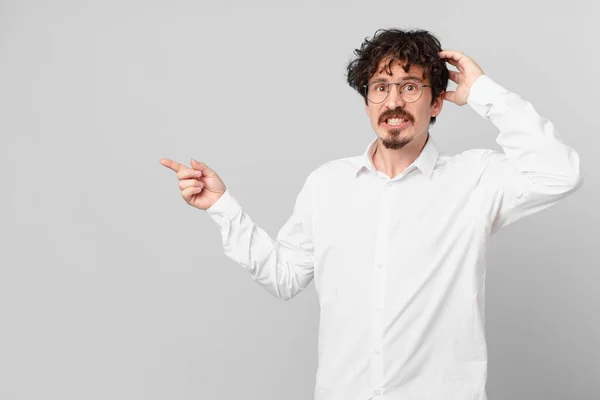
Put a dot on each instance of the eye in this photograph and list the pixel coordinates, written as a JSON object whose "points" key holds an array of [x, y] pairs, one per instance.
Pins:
{"points": [[380, 87], [409, 87]]}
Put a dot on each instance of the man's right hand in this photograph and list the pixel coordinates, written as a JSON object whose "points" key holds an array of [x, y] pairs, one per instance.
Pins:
{"points": [[200, 186]]}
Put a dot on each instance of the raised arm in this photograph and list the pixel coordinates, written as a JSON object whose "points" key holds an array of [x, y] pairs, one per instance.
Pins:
{"points": [[536, 168], [284, 267]]}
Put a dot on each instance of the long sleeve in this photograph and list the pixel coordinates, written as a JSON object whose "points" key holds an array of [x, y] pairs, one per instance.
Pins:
{"points": [[284, 267], [536, 169]]}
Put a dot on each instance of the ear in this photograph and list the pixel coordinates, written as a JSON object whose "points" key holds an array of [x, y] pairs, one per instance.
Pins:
{"points": [[436, 107]]}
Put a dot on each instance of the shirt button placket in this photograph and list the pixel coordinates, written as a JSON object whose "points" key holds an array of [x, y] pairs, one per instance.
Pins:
{"points": [[378, 281]]}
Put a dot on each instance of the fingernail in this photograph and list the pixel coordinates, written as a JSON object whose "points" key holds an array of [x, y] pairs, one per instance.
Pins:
{"points": [[198, 173]]}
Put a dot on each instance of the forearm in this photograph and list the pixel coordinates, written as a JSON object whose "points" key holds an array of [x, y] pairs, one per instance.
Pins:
{"points": [[280, 267], [529, 140]]}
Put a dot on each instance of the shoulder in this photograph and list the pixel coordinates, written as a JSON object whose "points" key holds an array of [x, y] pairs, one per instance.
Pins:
{"points": [[472, 157], [471, 165], [336, 169]]}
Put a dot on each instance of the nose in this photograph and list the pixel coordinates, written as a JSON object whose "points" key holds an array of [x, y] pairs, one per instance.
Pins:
{"points": [[394, 99]]}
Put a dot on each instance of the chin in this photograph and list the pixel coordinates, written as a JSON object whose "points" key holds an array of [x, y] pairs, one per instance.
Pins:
{"points": [[395, 139], [395, 143]]}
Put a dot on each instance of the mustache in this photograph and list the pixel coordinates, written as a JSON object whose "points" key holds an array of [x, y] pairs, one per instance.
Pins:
{"points": [[397, 112]]}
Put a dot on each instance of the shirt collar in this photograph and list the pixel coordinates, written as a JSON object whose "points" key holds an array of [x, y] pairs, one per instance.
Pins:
{"points": [[425, 162]]}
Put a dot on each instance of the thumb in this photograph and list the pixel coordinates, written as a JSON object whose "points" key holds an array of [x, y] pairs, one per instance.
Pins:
{"points": [[206, 171], [450, 96]]}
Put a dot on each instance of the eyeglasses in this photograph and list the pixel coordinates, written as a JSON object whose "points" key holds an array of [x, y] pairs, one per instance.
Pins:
{"points": [[410, 92]]}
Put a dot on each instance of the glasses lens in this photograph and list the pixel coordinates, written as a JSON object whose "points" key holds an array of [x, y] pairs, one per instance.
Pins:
{"points": [[411, 92], [377, 92]]}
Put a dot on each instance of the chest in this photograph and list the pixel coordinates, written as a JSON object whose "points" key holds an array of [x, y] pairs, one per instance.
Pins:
{"points": [[412, 226]]}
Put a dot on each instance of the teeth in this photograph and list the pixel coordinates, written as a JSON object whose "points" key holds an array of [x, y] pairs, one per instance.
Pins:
{"points": [[395, 121]]}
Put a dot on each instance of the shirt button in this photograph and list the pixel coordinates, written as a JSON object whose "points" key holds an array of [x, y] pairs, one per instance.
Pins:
{"points": [[378, 309], [376, 352], [379, 265], [377, 392], [389, 184]]}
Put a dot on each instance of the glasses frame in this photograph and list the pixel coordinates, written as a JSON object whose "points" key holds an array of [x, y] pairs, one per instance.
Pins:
{"points": [[366, 89]]}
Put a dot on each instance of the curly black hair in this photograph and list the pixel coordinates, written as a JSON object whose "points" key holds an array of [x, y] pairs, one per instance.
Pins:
{"points": [[417, 47]]}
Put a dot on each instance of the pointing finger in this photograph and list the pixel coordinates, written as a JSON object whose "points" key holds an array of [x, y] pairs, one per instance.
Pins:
{"points": [[173, 165]]}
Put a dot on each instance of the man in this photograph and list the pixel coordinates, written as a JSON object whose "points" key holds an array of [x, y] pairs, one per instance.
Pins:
{"points": [[396, 238]]}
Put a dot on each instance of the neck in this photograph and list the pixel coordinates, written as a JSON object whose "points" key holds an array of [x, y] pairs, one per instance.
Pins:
{"points": [[393, 162]]}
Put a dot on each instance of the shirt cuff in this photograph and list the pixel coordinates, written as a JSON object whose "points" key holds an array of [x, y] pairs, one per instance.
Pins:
{"points": [[483, 94], [224, 209]]}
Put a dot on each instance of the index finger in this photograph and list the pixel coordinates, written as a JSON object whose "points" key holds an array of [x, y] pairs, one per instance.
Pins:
{"points": [[451, 54], [174, 165]]}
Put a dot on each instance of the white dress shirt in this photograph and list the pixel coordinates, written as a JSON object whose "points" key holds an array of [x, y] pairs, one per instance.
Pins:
{"points": [[399, 264]]}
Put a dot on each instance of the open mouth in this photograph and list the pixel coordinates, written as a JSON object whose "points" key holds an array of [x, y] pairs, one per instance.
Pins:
{"points": [[396, 122]]}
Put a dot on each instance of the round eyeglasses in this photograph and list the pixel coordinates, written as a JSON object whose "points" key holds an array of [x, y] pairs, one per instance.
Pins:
{"points": [[410, 92]]}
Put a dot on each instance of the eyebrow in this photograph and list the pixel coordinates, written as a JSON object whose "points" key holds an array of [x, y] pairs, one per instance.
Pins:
{"points": [[406, 78]]}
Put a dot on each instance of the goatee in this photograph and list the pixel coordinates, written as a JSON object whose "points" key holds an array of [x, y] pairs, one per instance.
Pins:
{"points": [[393, 141]]}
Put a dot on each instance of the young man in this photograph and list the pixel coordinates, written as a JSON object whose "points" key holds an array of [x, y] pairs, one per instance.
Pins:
{"points": [[396, 238]]}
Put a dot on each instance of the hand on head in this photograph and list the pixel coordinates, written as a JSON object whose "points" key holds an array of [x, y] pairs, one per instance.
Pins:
{"points": [[468, 72]]}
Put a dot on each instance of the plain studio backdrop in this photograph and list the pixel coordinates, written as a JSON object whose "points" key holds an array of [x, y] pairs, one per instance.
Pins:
{"points": [[112, 287]]}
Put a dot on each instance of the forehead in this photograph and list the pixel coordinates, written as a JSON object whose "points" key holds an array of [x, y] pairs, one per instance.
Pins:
{"points": [[397, 71]]}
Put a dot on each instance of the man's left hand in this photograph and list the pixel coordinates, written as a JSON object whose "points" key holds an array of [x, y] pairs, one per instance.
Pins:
{"points": [[468, 72]]}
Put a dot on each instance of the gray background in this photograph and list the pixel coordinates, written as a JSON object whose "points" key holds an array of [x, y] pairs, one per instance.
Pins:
{"points": [[111, 287]]}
